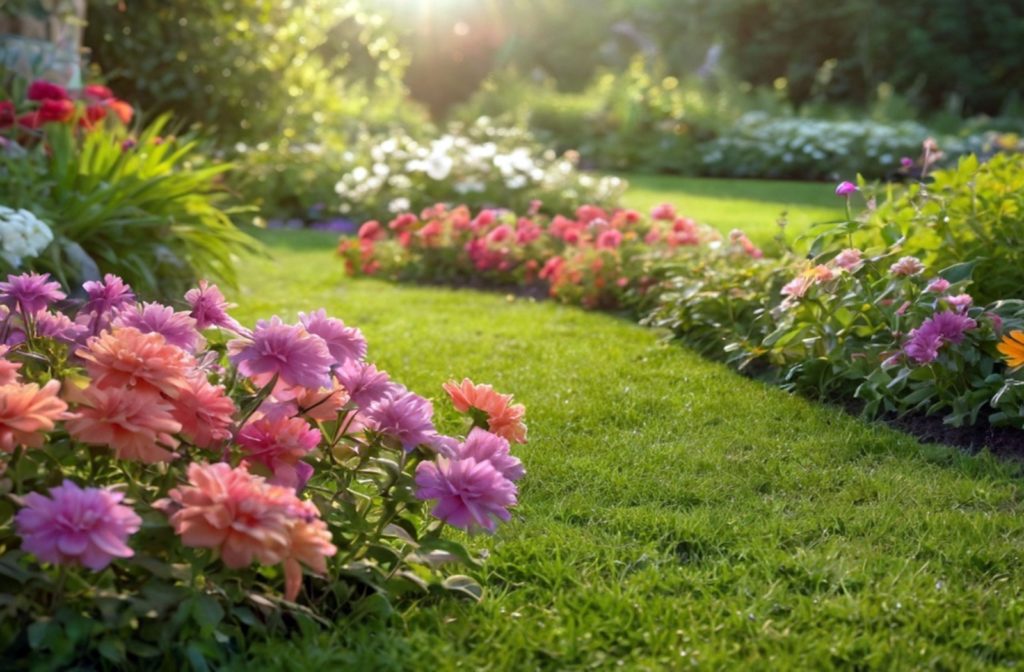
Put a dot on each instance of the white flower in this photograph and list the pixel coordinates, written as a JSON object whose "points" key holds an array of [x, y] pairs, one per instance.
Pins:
{"points": [[22, 235], [516, 182], [400, 204], [438, 166]]}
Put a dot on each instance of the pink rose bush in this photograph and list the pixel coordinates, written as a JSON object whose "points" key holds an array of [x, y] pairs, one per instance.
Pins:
{"points": [[596, 258], [150, 449]]}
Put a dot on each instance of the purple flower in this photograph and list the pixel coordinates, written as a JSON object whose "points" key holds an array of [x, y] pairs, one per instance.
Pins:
{"points": [[210, 308], [939, 329], [483, 446], [60, 327], [845, 189], [469, 494], [110, 295], [405, 416], [77, 526], [177, 327], [287, 351], [906, 162], [364, 383], [344, 343], [30, 292]]}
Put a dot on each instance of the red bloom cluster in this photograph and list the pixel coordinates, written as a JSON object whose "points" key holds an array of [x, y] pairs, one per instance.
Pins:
{"points": [[49, 103]]}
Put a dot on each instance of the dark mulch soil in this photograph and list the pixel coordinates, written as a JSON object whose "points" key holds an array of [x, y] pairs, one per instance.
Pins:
{"points": [[1002, 441]]}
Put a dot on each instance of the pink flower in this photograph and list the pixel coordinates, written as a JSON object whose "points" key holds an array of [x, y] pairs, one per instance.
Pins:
{"points": [[8, 369], [178, 328], [849, 259], [906, 267], [609, 239], [204, 411], [365, 384], [798, 286], [527, 231], [499, 235], [845, 189], [484, 446], [59, 327], [29, 292], [937, 286], [372, 230], [279, 443], [136, 424], [127, 358], [290, 352], [906, 163], [469, 494], [404, 416], [664, 211], [344, 343], [77, 526], [210, 308], [960, 302]]}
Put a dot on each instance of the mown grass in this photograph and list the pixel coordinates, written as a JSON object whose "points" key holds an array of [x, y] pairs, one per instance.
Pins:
{"points": [[674, 514], [755, 206]]}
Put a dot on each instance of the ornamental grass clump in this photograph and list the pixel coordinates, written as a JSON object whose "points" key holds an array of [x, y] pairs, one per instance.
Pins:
{"points": [[174, 484]]}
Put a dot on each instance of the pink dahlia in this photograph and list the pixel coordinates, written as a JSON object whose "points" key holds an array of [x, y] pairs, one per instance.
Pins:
{"points": [[28, 412], [288, 351], [344, 343], [127, 358], [78, 526], [504, 418], [59, 327], [30, 292], [136, 424], [849, 259], [8, 369], [609, 239], [664, 211], [279, 443], [404, 416], [205, 412], [469, 494], [906, 267]]}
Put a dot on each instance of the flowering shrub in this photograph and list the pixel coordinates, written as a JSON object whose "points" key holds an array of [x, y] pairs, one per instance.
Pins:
{"points": [[83, 195], [175, 483], [597, 258]]}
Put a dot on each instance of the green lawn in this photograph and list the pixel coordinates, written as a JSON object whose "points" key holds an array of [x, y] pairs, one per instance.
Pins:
{"points": [[755, 206], [674, 514]]}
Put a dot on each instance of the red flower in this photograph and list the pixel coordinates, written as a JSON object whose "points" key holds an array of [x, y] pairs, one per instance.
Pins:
{"points": [[43, 90], [123, 110], [93, 115], [60, 111], [6, 113]]}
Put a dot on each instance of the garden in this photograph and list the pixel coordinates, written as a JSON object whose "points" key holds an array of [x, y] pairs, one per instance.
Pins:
{"points": [[537, 335]]}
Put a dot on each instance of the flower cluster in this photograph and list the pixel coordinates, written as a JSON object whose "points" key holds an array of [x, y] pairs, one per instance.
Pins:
{"points": [[22, 235], [250, 453], [49, 103], [594, 258]]}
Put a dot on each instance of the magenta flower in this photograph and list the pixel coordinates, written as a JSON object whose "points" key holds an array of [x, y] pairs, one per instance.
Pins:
{"points": [[279, 442], [30, 292], [906, 163], [210, 308], [845, 189], [77, 526], [405, 416], [364, 383], [60, 327], [179, 328], [110, 295], [610, 239], [939, 329], [484, 446], [469, 494], [344, 343], [287, 351]]}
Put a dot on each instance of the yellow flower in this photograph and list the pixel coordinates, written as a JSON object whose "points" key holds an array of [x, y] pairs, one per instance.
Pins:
{"points": [[1012, 348]]}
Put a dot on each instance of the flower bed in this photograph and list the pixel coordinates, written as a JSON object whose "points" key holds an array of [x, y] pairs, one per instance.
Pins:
{"points": [[597, 258], [176, 484]]}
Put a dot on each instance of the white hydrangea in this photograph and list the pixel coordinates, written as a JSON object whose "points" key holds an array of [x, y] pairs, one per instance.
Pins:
{"points": [[22, 235]]}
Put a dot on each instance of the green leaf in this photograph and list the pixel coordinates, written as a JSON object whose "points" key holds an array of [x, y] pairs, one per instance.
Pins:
{"points": [[959, 272], [207, 612], [464, 585]]}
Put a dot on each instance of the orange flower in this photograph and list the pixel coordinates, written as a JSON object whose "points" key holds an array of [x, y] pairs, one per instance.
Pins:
{"points": [[503, 418], [308, 544], [137, 424], [27, 412], [128, 358], [323, 404], [1012, 347]]}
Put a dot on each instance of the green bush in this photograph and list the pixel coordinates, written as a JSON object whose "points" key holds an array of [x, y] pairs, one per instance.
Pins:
{"points": [[253, 70], [134, 206]]}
